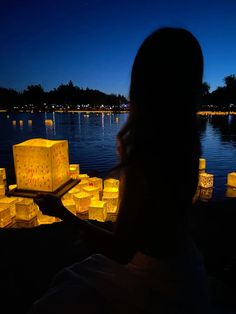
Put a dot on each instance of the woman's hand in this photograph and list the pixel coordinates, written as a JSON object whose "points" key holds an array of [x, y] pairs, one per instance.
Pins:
{"points": [[50, 205]]}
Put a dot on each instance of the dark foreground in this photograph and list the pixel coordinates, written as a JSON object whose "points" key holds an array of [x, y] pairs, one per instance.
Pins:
{"points": [[31, 257]]}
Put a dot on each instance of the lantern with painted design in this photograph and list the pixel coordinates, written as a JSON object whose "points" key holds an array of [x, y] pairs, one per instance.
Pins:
{"points": [[41, 164], [206, 180]]}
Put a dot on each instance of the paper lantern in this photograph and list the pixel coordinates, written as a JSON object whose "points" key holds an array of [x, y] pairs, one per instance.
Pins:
{"points": [[97, 182], [206, 180], [231, 179], [71, 192], [12, 187], [3, 173], [21, 122], [26, 209], [48, 122], [41, 164], [70, 205], [91, 190], [112, 204], [14, 122], [109, 192], [83, 176], [111, 183], [2, 190], [30, 122], [82, 201], [97, 210], [74, 171], [5, 215], [202, 164], [11, 202]]}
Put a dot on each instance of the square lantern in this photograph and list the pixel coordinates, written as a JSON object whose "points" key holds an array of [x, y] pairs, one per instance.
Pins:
{"points": [[206, 180], [74, 171], [71, 192], [97, 182], [2, 191], [202, 164], [206, 194], [41, 164], [91, 190], [70, 205], [5, 215], [110, 192], [112, 204], [230, 192], [26, 209], [231, 179], [82, 201], [3, 173], [97, 210], [11, 202], [111, 183]]}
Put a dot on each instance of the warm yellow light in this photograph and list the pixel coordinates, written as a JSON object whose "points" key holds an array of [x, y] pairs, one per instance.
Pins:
{"points": [[5, 215], [112, 204], [111, 183], [11, 202], [109, 192], [97, 182], [3, 173], [202, 164], [82, 201], [91, 190], [74, 171], [206, 180], [97, 210], [41, 164], [231, 179], [26, 209]]}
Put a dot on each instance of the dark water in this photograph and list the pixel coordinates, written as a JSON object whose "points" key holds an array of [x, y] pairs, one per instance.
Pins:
{"points": [[92, 144]]}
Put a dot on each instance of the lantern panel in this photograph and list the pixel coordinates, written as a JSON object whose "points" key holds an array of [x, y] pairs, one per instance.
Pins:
{"points": [[26, 209], [206, 180], [231, 179], [97, 210]]}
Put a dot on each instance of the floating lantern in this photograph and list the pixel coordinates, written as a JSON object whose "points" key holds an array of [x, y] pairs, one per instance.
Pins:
{"points": [[26, 209], [5, 215], [112, 203], [206, 180], [82, 183], [3, 173], [71, 192], [82, 201], [14, 122], [83, 176], [21, 122], [97, 210], [231, 179], [48, 122], [109, 192], [74, 171], [97, 182], [41, 164], [202, 164], [30, 122], [70, 205], [91, 190], [111, 183], [11, 202]]}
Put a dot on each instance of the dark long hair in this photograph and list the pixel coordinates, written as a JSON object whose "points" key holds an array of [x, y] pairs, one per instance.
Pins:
{"points": [[159, 145]]}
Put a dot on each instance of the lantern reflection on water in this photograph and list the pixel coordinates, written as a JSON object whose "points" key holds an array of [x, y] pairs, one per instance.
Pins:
{"points": [[41, 164]]}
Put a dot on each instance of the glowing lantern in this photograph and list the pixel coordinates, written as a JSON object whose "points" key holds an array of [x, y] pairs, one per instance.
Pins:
{"points": [[83, 182], [26, 209], [82, 201], [206, 180], [231, 179], [110, 192], [111, 183], [41, 164], [29, 122], [2, 190], [5, 215], [91, 190], [48, 122], [83, 176], [14, 122], [74, 171], [11, 202], [3, 173], [21, 122], [202, 164], [98, 210], [112, 203], [97, 182], [70, 205], [71, 192]]}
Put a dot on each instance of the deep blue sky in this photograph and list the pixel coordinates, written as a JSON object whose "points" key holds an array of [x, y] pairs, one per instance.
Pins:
{"points": [[93, 42]]}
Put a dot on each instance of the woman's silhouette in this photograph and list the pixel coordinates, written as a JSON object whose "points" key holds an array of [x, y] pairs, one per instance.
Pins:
{"points": [[149, 264]]}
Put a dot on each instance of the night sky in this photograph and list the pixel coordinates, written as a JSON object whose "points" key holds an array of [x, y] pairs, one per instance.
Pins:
{"points": [[93, 43]]}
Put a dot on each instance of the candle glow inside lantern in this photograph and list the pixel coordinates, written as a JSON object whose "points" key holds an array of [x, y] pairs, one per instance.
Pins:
{"points": [[41, 164], [111, 183], [109, 192], [231, 179], [74, 171], [11, 202], [91, 190], [5, 215], [97, 210], [3, 173], [26, 209], [97, 182], [82, 201], [206, 180], [112, 204], [202, 164]]}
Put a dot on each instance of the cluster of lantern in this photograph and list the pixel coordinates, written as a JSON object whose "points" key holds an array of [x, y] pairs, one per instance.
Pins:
{"points": [[43, 165]]}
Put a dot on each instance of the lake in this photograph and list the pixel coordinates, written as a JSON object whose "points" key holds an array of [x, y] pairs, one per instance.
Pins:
{"points": [[91, 138]]}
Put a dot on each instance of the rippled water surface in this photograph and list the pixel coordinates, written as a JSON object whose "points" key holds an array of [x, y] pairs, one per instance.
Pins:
{"points": [[92, 144]]}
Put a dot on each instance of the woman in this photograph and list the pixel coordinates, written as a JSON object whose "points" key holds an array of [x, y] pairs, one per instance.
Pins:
{"points": [[149, 264]]}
